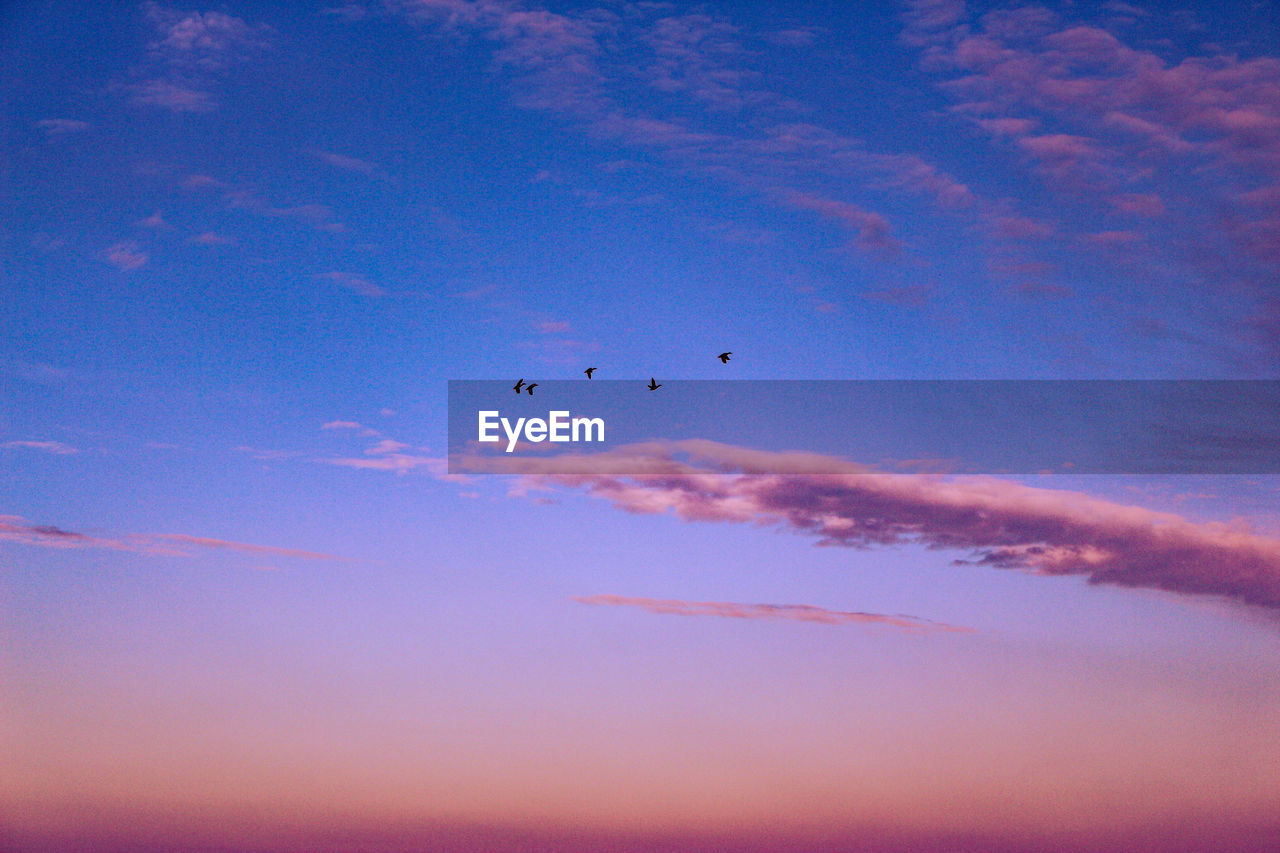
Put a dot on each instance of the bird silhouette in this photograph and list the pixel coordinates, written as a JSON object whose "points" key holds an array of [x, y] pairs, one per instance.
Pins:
{"points": [[518, 386], [653, 386], [589, 371], [724, 357], [530, 388]]}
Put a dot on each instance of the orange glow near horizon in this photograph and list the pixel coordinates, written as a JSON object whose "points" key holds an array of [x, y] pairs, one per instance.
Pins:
{"points": [[983, 739]]}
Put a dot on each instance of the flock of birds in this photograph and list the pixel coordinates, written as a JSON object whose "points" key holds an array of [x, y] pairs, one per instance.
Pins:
{"points": [[652, 386]]}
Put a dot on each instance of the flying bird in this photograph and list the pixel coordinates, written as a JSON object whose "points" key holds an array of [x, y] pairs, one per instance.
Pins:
{"points": [[653, 386], [589, 371], [724, 357], [518, 385], [530, 388]]}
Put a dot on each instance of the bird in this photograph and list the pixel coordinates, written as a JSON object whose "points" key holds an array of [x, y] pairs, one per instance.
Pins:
{"points": [[530, 387], [653, 386], [589, 371], [518, 385], [724, 357]]}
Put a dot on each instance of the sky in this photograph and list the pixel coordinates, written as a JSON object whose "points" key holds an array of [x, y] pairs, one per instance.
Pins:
{"points": [[246, 605]]}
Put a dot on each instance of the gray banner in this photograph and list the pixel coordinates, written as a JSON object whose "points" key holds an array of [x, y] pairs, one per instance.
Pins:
{"points": [[948, 426]]}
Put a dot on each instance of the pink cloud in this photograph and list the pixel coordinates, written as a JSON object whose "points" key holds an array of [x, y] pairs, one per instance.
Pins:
{"points": [[910, 172], [223, 544], [200, 182], [783, 612], [61, 126], [1114, 238], [794, 37], [342, 425], [1001, 523], [350, 12], [1008, 126], [387, 445], [1021, 227], [351, 281], [1150, 130], [126, 256], [319, 216], [560, 63], [1138, 204], [211, 238], [928, 21], [388, 455], [267, 454], [350, 164], [173, 96], [16, 529], [398, 463], [55, 447], [1072, 160], [1215, 118], [702, 57], [205, 40], [873, 230], [908, 296], [559, 350]]}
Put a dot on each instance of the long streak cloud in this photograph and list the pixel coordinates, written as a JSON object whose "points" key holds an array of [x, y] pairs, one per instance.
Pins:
{"points": [[787, 612], [1000, 523]]}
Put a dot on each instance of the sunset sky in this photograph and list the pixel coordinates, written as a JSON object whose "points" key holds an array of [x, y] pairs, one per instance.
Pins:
{"points": [[244, 604]]}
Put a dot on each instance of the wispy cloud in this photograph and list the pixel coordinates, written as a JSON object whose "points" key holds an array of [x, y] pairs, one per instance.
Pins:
{"points": [[387, 445], [350, 164], [1100, 123], [241, 197], [571, 64], [352, 281], [871, 229], [785, 612], [223, 544], [246, 199], [388, 454], [171, 95], [365, 431], [348, 11], [268, 454], [55, 447], [1124, 120], [795, 36], [342, 425], [1001, 523], [39, 373], [61, 126], [906, 296], [207, 40], [399, 463], [211, 238], [186, 54], [126, 256], [15, 528], [319, 216]]}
